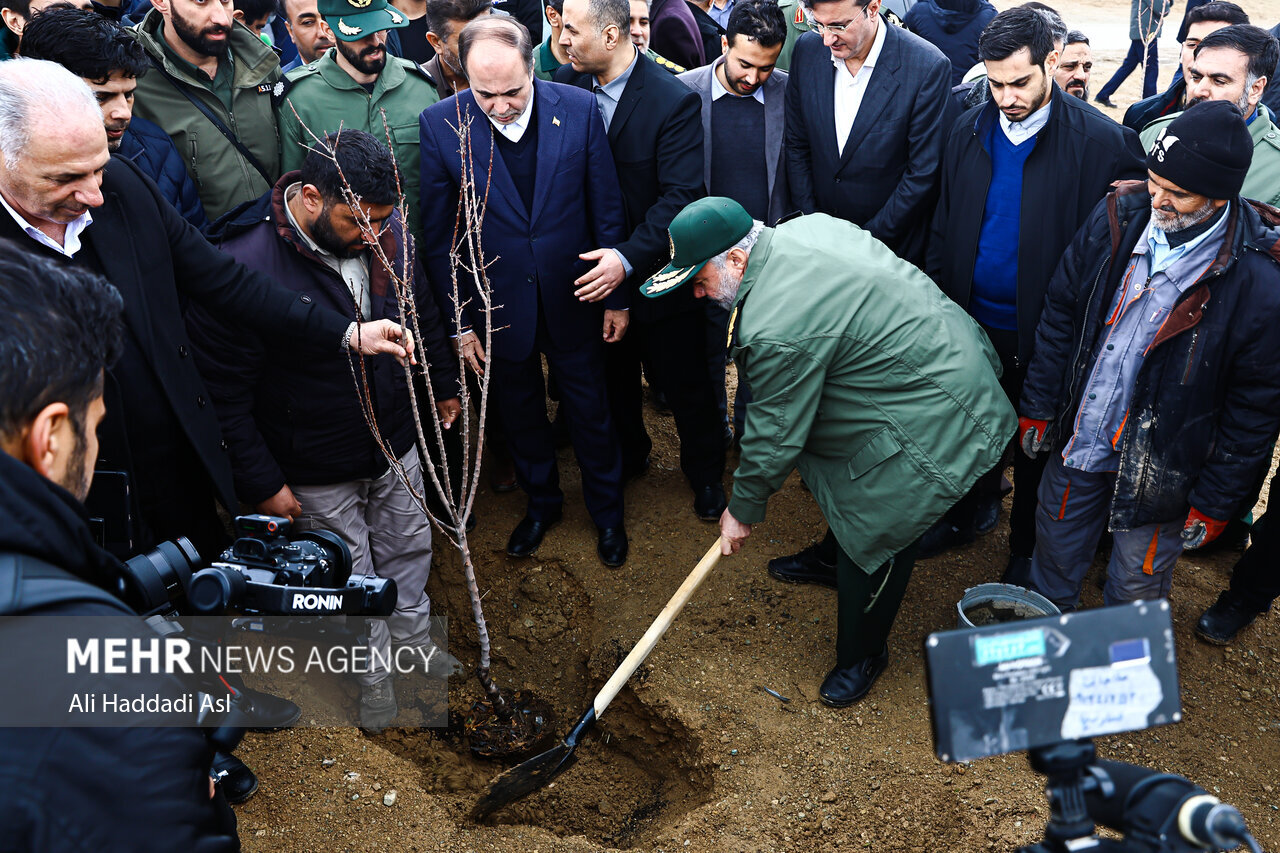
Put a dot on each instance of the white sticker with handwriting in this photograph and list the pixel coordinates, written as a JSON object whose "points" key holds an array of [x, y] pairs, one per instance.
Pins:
{"points": [[1104, 700]]}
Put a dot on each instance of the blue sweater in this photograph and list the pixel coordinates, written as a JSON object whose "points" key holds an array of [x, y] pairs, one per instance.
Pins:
{"points": [[995, 269]]}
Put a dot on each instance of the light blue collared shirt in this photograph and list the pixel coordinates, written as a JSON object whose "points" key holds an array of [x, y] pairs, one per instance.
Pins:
{"points": [[1157, 276], [607, 96], [720, 14]]}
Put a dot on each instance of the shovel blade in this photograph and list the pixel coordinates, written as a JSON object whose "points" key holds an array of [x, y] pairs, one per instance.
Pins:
{"points": [[525, 778]]}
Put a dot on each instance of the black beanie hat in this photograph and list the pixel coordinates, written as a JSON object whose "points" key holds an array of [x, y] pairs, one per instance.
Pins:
{"points": [[1206, 150]]}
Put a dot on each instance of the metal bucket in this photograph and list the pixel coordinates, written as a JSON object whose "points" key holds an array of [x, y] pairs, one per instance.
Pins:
{"points": [[995, 603]]}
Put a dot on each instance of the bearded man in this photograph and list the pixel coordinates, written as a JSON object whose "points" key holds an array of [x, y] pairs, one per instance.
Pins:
{"points": [[199, 55], [357, 86], [879, 389], [1153, 382]]}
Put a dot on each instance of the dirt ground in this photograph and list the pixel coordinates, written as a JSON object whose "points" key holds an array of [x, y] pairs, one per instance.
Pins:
{"points": [[694, 754]]}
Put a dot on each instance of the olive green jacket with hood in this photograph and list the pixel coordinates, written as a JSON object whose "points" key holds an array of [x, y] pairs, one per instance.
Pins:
{"points": [[882, 391], [223, 177]]}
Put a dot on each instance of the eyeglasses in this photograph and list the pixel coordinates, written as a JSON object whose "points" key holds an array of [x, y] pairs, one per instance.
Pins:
{"points": [[834, 29]]}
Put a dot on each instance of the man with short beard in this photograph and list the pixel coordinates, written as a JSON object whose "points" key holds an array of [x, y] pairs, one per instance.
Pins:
{"points": [[1075, 65], [1153, 385], [357, 86], [996, 241], [1235, 64], [296, 434], [199, 54], [882, 393], [445, 20]]}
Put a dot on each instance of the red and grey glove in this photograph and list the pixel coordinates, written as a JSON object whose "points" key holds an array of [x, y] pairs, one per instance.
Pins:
{"points": [[1200, 530], [1031, 435]]}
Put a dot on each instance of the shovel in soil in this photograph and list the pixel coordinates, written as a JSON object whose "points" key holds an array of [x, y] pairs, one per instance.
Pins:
{"points": [[524, 779]]}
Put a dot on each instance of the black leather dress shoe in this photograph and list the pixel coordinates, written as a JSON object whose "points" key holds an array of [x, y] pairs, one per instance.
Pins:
{"points": [[987, 516], [635, 469], [528, 534], [235, 778], [943, 536], [612, 546], [1104, 100], [268, 713], [1227, 617], [708, 502], [843, 687], [1018, 572], [808, 566]]}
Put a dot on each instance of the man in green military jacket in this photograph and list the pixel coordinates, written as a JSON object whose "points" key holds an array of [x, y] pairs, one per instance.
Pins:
{"points": [[1235, 64], [353, 86], [200, 53], [864, 376]]}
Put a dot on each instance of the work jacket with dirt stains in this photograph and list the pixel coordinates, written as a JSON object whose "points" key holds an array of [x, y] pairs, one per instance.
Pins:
{"points": [[222, 175], [1206, 399], [1262, 183], [326, 98], [864, 376]]}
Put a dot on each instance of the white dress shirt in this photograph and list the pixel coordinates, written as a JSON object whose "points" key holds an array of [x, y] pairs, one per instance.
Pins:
{"points": [[1019, 132], [514, 130], [850, 88], [70, 239]]}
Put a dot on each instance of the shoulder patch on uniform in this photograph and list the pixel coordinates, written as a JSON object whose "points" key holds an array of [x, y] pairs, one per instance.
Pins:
{"points": [[279, 90], [415, 68], [673, 67]]}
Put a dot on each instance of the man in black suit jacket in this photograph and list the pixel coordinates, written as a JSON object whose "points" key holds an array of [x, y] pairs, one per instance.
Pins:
{"points": [[655, 132], [868, 108], [67, 199], [542, 163]]}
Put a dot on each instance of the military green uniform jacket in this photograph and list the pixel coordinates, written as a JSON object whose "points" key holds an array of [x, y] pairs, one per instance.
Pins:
{"points": [[326, 98], [797, 25], [544, 61], [1263, 181], [223, 177], [864, 376]]}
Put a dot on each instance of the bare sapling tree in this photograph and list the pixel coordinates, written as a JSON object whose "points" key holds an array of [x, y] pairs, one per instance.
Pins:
{"points": [[471, 297]]}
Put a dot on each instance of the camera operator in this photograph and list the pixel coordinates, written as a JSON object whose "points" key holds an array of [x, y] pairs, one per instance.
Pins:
{"points": [[67, 199], [85, 789], [162, 466]]}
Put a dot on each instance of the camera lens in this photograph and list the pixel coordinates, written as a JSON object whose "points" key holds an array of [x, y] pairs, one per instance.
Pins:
{"points": [[161, 576]]}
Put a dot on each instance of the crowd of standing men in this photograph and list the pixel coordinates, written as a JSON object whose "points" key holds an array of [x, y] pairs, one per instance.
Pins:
{"points": [[976, 244]]}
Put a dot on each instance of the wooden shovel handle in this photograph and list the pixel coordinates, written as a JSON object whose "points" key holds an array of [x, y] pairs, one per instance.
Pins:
{"points": [[657, 629]]}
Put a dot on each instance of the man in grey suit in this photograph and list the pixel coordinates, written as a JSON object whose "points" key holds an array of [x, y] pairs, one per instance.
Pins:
{"points": [[742, 119], [867, 113]]}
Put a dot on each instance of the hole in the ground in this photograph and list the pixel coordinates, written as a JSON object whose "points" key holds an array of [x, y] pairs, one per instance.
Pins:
{"points": [[638, 772]]}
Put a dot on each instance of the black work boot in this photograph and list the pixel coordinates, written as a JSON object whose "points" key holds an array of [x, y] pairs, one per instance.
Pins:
{"points": [[1227, 617]]}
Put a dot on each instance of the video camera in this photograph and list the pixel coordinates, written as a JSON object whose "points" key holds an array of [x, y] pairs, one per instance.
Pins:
{"points": [[1049, 685], [264, 572]]}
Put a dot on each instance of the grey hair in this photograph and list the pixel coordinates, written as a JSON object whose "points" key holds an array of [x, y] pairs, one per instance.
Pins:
{"points": [[35, 89], [746, 244]]}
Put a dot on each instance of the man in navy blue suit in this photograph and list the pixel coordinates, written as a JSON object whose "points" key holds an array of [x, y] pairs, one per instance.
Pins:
{"points": [[552, 196]]}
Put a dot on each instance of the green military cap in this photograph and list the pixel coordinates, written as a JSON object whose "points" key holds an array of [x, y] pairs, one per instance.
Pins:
{"points": [[352, 20], [704, 229]]}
